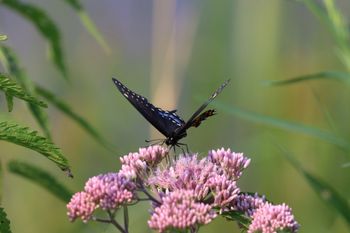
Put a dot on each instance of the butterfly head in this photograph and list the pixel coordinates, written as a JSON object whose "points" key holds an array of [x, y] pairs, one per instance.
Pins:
{"points": [[173, 140]]}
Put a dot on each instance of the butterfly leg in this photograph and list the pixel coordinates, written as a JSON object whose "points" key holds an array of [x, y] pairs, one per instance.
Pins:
{"points": [[183, 151]]}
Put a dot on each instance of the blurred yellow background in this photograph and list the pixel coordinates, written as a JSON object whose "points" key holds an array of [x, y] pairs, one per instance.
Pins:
{"points": [[176, 53]]}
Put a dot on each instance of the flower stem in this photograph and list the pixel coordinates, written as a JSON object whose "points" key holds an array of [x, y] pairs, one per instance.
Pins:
{"points": [[144, 190], [126, 219], [115, 223]]}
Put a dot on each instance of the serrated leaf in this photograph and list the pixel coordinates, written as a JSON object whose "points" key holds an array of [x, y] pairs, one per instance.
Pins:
{"points": [[9, 100], [88, 24], [4, 222], [324, 190], [11, 88], [10, 60], [61, 105], [3, 37], [286, 125], [40, 177], [332, 75], [23, 136], [45, 25]]}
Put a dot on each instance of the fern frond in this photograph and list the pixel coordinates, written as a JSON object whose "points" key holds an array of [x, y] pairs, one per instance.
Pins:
{"points": [[11, 88], [40, 177], [10, 61], [23, 136], [4, 222]]}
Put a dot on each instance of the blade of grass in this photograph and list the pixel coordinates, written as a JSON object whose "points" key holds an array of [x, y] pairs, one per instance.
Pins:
{"points": [[40, 177], [332, 75], [4, 222], [324, 190], [45, 25], [9, 59], [336, 24], [88, 23], [286, 125], [317, 10], [25, 137], [66, 109]]}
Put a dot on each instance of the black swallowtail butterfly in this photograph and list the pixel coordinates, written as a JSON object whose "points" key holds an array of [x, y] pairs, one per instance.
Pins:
{"points": [[172, 126]]}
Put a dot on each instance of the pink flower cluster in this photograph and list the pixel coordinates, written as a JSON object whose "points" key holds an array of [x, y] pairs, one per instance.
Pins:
{"points": [[138, 164], [207, 178], [81, 205], [108, 191], [232, 163], [180, 210], [270, 218], [266, 217], [187, 192]]}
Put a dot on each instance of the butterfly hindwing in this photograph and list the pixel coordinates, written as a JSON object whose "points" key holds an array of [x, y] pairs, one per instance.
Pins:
{"points": [[165, 121], [198, 120], [195, 120]]}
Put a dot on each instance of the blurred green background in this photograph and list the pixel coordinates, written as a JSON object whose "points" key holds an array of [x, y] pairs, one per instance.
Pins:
{"points": [[176, 53]]}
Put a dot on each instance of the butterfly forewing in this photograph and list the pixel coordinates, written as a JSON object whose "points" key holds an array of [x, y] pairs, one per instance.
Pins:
{"points": [[165, 121]]}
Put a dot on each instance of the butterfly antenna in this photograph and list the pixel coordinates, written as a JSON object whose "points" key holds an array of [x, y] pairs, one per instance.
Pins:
{"points": [[152, 140]]}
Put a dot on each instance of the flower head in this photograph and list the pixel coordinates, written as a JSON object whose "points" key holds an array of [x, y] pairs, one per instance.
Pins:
{"points": [[81, 205], [248, 203], [224, 190], [179, 210], [110, 190], [137, 164], [232, 163], [271, 218], [187, 173]]}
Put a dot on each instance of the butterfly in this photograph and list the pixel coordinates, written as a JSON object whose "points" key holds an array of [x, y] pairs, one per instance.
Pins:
{"points": [[171, 125]]}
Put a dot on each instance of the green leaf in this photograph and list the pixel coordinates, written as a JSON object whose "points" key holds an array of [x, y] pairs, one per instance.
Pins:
{"points": [[88, 24], [324, 190], [237, 216], [332, 75], [9, 58], [61, 105], [23, 136], [286, 125], [9, 100], [45, 26], [4, 222], [3, 37], [40, 177], [11, 88]]}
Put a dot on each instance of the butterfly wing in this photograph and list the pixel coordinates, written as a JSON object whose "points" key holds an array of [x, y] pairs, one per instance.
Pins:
{"points": [[164, 121], [195, 120], [198, 120]]}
